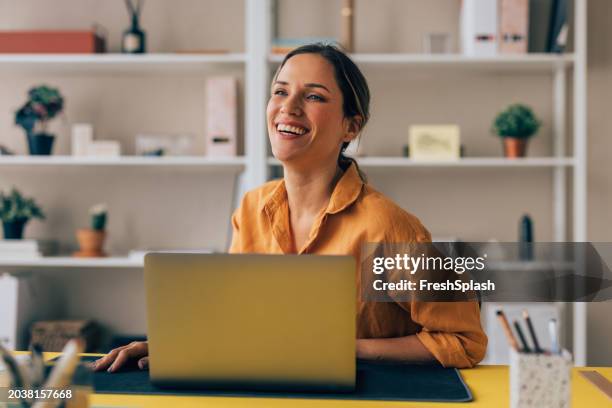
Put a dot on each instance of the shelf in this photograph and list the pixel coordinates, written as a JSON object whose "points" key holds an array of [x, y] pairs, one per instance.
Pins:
{"points": [[401, 162], [115, 63], [229, 164], [53, 264], [528, 62]]}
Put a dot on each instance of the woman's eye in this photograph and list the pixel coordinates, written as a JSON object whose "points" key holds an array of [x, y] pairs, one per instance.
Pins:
{"points": [[314, 97], [280, 92]]}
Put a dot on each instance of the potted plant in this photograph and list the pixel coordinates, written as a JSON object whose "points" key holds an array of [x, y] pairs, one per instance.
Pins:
{"points": [[91, 240], [515, 126], [43, 104], [15, 212]]}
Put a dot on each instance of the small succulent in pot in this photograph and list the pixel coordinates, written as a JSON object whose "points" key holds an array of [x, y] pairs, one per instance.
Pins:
{"points": [[516, 125], [15, 211], [91, 240], [43, 104]]}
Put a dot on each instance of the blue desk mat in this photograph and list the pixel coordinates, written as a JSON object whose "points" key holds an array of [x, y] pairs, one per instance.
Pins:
{"points": [[375, 381]]}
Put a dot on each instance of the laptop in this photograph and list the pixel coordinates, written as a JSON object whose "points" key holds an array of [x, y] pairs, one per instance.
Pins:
{"points": [[269, 322]]}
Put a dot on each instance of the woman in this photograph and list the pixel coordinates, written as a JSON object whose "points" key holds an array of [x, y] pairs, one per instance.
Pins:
{"points": [[319, 103]]}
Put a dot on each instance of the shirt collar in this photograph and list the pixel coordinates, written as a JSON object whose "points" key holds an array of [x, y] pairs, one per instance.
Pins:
{"points": [[347, 190], [345, 193]]}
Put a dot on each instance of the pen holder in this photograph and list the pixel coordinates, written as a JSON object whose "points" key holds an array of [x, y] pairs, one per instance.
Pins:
{"points": [[540, 380]]}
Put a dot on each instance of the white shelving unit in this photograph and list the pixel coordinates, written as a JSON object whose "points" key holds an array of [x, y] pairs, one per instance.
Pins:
{"points": [[529, 62], [559, 66], [65, 263], [402, 162], [227, 164], [117, 63], [257, 63]]}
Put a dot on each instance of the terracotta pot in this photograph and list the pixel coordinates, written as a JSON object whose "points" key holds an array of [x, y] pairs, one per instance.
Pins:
{"points": [[90, 242], [515, 147]]}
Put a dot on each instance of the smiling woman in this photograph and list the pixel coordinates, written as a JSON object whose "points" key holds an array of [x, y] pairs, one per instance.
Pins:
{"points": [[319, 103], [314, 105]]}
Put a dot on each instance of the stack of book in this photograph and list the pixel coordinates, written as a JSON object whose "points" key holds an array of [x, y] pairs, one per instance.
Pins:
{"points": [[25, 248], [490, 27]]}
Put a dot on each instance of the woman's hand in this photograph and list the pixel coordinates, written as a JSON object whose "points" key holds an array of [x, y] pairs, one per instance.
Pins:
{"points": [[118, 357]]}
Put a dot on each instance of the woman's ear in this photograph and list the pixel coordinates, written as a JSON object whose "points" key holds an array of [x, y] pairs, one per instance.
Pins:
{"points": [[353, 127]]}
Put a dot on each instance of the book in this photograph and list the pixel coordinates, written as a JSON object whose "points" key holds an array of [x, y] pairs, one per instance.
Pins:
{"points": [[514, 26], [557, 38], [221, 116], [26, 248], [479, 27], [540, 15], [54, 42], [284, 45]]}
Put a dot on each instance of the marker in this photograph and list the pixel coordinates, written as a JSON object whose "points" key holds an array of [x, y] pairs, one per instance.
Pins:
{"points": [[554, 336], [507, 330], [534, 338], [526, 348]]}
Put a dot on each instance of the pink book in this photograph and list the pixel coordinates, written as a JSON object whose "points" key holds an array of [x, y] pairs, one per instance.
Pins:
{"points": [[514, 26], [221, 116]]}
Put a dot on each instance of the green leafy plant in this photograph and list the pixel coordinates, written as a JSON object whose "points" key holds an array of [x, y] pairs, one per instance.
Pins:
{"points": [[516, 121], [98, 217], [43, 104], [15, 207]]}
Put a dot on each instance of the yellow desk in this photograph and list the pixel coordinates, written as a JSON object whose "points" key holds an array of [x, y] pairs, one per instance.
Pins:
{"points": [[489, 386]]}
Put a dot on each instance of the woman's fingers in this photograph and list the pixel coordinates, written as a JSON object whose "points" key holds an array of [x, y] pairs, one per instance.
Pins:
{"points": [[134, 350], [105, 362], [116, 358], [143, 363]]}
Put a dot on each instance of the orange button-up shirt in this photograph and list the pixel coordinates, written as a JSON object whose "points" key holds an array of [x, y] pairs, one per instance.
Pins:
{"points": [[357, 214]]}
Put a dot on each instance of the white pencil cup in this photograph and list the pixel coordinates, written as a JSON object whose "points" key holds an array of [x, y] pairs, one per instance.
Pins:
{"points": [[540, 380]]}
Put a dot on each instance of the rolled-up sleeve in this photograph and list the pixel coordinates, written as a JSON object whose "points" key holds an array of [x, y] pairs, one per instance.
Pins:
{"points": [[451, 331]]}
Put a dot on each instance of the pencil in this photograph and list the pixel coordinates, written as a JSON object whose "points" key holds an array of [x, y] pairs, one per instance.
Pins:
{"points": [[532, 333], [507, 330], [526, 348]]}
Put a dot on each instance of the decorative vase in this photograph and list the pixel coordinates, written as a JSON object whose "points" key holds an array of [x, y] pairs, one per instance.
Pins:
{"points": [[515, 147], [40, 144], [134, 39], [14, 229], [90, 243]]}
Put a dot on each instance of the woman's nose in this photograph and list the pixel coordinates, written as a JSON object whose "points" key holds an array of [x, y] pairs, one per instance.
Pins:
{"points": [[291, 107]]}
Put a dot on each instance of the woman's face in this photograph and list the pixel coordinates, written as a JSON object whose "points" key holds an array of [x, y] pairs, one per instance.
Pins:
{"points": [[305, 116]]}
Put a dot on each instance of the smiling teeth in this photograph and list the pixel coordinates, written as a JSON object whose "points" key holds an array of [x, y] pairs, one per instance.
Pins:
{"points": [[291, 129]]}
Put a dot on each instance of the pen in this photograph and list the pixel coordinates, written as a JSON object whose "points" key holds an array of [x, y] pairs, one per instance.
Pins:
{"points": [[61, 376], [13, 368], [37, 365], [504, 322], [526, 348], [534, 338], [554, 336]]}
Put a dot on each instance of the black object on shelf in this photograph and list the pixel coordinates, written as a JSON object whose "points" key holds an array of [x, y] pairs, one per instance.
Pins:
{"points": [[134, 39], [557, 36], [526, 238]]}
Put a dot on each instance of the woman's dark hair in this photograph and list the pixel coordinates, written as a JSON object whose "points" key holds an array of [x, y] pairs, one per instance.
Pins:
{"points": [[352, 84]]}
